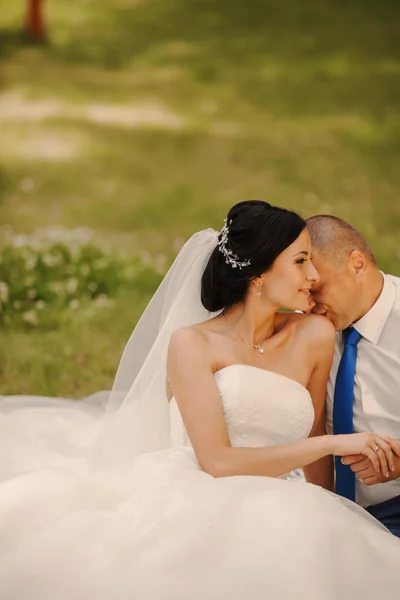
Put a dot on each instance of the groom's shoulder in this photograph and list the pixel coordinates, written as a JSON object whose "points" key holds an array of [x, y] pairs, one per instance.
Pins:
{"points": [[394, 314], [395, 280]]}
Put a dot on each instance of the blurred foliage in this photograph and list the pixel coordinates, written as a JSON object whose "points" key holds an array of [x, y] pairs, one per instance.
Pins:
{"points": [[145, 120], [51, 270]]}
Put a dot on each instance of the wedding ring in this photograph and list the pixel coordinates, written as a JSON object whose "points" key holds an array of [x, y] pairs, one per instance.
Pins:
{"points": [[377, 449]]}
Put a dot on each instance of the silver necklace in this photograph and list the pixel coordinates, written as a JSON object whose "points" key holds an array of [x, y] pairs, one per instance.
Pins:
{"points": [[258, 347]]}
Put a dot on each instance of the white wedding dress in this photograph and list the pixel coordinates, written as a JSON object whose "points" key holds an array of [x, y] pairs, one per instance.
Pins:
{"points": [[156, 527]]}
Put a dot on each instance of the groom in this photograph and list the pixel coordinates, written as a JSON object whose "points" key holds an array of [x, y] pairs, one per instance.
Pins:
{"points": [[364, 387]]}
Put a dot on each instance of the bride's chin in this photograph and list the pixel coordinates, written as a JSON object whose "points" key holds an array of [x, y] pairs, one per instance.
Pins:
{"points": [[305, 306]]}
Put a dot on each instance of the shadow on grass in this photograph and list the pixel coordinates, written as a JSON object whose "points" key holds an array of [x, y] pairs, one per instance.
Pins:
{"points": [[232, 33], [289, 57], [11, 42]]}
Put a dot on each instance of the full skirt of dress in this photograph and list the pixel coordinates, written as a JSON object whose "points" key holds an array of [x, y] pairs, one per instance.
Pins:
{"points": [[159, 528]]}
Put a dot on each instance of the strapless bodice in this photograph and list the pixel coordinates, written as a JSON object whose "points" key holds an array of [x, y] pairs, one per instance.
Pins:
{"points": [[261, 408]]}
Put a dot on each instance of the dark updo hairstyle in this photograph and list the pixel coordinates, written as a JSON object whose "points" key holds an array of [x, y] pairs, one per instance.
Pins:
{"points": [[257, 231]]}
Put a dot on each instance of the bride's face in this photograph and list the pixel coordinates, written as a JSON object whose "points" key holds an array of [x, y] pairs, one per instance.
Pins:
{"points": [[287, 284]]}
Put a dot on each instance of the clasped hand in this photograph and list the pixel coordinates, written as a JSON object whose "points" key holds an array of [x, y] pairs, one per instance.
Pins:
{"points": [[366, 467]]}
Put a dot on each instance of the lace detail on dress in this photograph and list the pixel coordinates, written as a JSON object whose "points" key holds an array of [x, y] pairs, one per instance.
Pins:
{"points": [[261, 408]]}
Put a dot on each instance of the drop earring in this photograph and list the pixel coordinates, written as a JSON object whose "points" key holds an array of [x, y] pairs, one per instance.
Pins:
{"points": [[259, 289]]}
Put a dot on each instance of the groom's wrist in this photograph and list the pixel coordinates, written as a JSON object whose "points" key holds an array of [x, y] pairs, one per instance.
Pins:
{"points": [[396, 473]]}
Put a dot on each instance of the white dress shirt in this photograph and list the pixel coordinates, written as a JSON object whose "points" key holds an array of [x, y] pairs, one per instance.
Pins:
{"points": [[377, 380]]}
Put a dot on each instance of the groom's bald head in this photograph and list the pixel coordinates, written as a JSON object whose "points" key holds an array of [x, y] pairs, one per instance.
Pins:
{"points": [[335, 239], [347, 270]]}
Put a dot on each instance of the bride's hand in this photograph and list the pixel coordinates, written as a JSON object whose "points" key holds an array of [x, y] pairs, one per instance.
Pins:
{"points": [[378, 448]]}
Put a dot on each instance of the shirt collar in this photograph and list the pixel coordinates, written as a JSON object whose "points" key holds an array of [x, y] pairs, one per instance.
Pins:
{"points": [[371, 325]]}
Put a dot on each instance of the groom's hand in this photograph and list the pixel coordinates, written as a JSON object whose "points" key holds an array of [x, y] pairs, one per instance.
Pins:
{"points": [[365, 471]]}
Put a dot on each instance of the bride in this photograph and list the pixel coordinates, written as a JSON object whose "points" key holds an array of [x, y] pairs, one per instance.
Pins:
{"points": [[178, 489]]}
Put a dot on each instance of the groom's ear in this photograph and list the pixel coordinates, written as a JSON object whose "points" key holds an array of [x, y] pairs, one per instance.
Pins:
{"points": [[357, 262]]}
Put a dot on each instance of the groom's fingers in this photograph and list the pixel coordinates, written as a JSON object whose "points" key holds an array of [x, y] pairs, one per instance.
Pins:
{"points": [[370, 480], [352, 458], [361, 465], [369, 472]]}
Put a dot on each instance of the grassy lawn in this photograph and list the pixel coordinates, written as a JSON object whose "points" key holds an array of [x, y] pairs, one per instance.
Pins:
{"points": [[145, 120]]}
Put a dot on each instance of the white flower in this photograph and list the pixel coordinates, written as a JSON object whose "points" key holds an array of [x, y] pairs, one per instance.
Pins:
{"points": [[30, 262], [31, 318], [50, 260], [101, 263], [102, 301], [27, 185], [4, 292], [56, 287], [40, 304], [19, 241], [72, 285], [74, 304]]}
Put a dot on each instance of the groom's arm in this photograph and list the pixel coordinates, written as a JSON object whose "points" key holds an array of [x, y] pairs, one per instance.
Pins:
{"points": [[365, 472]]}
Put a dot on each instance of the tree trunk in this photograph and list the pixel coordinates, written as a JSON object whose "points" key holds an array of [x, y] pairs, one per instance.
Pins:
{"points": [[35, 30]]}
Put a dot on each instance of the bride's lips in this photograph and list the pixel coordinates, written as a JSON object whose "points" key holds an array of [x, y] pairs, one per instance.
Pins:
{"points": [[305, 291]]}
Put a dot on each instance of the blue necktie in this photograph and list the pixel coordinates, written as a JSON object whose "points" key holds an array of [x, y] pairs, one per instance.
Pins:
{"points": [[343, 409]]}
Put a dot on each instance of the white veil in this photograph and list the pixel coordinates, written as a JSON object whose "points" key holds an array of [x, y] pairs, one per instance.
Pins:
{"points": [[137, 417]]}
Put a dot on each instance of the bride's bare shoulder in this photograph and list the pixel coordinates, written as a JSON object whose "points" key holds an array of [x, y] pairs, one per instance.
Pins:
{"points": [[195, 338], [188, 353], [315, 328], [316, 331], [187, 336]]}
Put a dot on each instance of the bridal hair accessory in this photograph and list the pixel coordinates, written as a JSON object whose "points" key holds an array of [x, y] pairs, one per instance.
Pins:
{"points": [[230, 257]]}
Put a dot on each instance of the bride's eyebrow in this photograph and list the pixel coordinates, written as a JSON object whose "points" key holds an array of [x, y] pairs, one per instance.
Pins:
{"points": [[302, 252]]}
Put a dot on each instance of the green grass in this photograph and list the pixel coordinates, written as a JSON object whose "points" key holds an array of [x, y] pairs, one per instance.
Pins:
{"points": [[151, 118], [78, 356]]}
